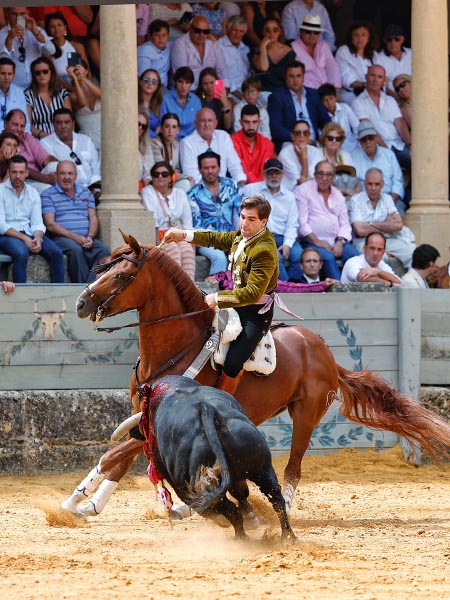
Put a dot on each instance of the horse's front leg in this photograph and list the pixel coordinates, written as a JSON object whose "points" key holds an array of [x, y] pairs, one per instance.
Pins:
{"points": [[118, 461]]}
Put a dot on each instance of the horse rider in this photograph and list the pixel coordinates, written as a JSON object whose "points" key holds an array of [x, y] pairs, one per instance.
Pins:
{"points": [[253, 262]]}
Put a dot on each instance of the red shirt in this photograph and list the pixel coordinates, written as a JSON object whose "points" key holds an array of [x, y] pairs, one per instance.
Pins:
{"points": [[253, 159], [77, 27]]}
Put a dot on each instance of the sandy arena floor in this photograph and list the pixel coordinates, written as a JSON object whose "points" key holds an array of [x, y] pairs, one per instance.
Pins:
{"points": [[369, 527]]}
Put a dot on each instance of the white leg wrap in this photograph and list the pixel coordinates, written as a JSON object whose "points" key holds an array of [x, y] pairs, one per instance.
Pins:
{"points": [[99, 500], [288, 495], [89, 484], [180, 511]]}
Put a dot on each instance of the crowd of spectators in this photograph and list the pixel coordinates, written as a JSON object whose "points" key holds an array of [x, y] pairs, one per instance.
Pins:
{"points": [[255, 94]]}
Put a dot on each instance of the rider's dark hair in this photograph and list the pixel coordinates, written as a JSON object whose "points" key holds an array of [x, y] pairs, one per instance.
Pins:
{"points": [[260, 203]]}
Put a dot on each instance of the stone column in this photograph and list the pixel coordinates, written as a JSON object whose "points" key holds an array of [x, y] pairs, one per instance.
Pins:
{"points": [[429, 215], [120, 204]]}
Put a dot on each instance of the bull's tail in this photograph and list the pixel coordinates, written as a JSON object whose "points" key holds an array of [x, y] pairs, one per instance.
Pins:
{"points": [[370, 400], [211, 483]]}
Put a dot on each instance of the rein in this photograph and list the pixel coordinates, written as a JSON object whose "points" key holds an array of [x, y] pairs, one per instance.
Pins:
{"points": [[142, 324]]}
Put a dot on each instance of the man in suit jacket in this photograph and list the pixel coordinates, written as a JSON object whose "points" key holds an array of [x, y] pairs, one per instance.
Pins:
{"points": [[292, 102], [423, 264]]}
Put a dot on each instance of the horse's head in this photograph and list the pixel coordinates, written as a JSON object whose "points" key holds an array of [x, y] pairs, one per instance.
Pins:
{"points": [[112, 292]]}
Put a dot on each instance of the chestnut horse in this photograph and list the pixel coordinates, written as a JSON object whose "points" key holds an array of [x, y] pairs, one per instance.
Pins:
{"points": [[174, 325]]}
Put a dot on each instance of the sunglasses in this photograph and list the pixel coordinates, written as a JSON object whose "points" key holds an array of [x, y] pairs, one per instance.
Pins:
{"points": [[22, 53], [142, 125], [310, 32], [161, 174], [301, 132], [334, 138], [394, 38], [41, 72], [150, 80], [199, 31], [75, 158], [400, 86]]}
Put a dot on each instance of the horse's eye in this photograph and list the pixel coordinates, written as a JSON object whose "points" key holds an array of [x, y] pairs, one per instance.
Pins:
{"points": [[119, 276]]}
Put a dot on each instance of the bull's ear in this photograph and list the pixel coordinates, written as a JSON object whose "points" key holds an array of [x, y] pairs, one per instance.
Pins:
{"points": [[126, 238], [134, 245]]}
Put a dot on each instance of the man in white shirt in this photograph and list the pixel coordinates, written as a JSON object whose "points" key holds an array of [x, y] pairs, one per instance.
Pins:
{"points": [[369, 267], [283, 219], [207, 137], [235, 54], [65, 144], [11, 96], [23, 41], [423, 265], [383, 111]]}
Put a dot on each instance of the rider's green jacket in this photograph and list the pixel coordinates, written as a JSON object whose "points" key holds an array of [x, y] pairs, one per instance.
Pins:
{"points": [[255, 271]]}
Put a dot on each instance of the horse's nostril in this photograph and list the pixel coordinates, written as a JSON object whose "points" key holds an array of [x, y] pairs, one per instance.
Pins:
{"points": [[80, 304]]}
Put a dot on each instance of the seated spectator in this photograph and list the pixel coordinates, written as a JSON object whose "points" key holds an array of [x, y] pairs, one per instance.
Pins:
{"points": [[79, 18], [320, 64], [273, 56], [331, 140], [23, 41], [292, 102], [150, 98], [86, 103], [9, 147], [146, 159], [58, 30], [166, 147], [155, 53], [342, 114], [11, 96], [369, 154], [355, 57], [369, 266], [311, 265], [72, 223], [256, 14], [170, 207], [283, 219], [382, 110], [323, 219], [195, 50], [21, 226], [142, 21], [294, 14], [65, 144], [220, 104], [423, 265], [252, 148], [177, 14], [235, 54], [372, 210], [44, 96], [215, 204], [299, 158], [251, 90], [41, 164], [207, 137], [8, 287], [214, 14], [402, 87], [394, 57], [181, 101], [441, 278]]}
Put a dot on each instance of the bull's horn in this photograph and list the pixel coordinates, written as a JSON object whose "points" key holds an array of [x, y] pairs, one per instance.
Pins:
{"points": [[126, 426]]}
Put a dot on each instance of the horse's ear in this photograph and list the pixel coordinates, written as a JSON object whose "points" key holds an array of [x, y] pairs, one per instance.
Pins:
{"points": [[126, 238], [134, 245]]}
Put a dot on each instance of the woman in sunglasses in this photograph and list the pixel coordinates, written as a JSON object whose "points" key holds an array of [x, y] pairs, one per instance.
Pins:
{"points": [[402, 87], [331, 140], [170, 207], [44, 96], [146, 159], [256, 13], [274, 54], [394, 57], [150, 98]]}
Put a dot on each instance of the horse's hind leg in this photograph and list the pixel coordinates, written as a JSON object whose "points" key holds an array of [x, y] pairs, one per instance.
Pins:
{"points": [[240, 491], [268, 484]]}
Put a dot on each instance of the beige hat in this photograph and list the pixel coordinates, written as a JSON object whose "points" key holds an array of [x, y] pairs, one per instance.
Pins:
{"points": [[311, 23]]}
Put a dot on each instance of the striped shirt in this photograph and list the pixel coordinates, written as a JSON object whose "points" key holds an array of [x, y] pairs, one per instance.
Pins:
{"points": [[42, 115], [70, 213]]}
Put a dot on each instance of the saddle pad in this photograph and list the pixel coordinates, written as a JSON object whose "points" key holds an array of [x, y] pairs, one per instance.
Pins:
{"points": [[264, 358]]}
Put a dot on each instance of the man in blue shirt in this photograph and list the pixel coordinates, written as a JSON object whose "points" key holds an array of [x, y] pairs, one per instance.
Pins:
{"points": [[71, 219], [182, 101], [11, 96], [155, 54], [215, 205]]}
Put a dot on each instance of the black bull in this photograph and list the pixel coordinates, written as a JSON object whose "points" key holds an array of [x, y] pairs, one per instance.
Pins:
{"points": [[206, 446]]}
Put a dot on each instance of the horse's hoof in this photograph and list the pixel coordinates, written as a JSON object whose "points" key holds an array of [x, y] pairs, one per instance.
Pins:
{"points": [[178, 512], [289, 538]]}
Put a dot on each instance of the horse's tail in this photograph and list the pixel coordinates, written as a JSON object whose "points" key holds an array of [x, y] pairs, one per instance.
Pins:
{"points": [[211, 482], [370, 400]]}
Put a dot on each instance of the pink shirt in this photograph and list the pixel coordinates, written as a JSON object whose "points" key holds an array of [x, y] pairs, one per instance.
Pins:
{"points": [[32, 150], [314, 217], [321, 69]]}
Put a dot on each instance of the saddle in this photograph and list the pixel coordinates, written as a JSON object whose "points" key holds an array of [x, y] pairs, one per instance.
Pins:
{"points": [[263, 360]]}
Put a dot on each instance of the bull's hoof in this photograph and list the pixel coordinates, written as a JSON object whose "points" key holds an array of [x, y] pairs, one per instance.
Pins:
{"points": [[251, 521]]}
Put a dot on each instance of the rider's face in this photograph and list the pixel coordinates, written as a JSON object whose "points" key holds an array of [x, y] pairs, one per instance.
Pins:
{"points": [[250, 222]]}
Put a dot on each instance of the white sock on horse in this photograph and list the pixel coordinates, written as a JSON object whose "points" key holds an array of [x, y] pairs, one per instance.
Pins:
{"points": [[288, 495], [89, 484], [99, 500]]}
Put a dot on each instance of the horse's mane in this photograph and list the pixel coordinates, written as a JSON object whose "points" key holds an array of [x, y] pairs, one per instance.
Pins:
{"points": [[189, 292]]}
